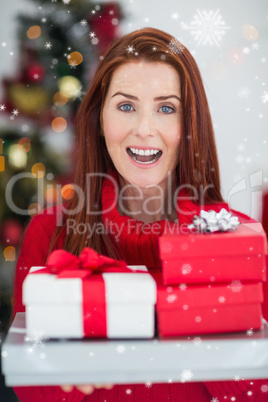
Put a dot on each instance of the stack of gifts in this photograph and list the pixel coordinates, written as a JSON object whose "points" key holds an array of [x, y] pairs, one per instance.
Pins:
{"points": [[210, 282], [211, 279], [89, 296]]}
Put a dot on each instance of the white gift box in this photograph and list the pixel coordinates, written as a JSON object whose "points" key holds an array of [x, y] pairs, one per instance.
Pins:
{"points": [[54, 305]]}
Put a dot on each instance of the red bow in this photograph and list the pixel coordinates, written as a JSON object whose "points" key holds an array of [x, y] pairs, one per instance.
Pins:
{"points": [[89, 259]]}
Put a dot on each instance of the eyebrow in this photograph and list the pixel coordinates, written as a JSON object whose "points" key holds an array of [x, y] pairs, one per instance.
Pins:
{"points": [[155, 99]]}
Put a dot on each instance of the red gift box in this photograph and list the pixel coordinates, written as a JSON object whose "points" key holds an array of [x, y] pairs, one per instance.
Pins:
{"points": [[217, 257], [203, 309]]}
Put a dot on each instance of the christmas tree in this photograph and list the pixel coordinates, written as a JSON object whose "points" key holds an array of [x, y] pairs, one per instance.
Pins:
{"points": [[60, 46]]}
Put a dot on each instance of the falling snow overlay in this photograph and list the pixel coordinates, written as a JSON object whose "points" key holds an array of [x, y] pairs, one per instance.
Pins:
{"points": [[250, 332], [174, 16], [207, 27], [186, 375], [236, 286], [265, 97], [244, 93], [264, 388], [175, 46], [186, 269], [171, 298]]}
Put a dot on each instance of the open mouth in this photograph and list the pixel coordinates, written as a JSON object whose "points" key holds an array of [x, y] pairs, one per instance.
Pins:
{"points": [[144, 157]]}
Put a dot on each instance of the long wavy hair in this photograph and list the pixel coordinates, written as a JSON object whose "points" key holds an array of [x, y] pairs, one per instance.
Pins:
{"points": [[198, 162]]}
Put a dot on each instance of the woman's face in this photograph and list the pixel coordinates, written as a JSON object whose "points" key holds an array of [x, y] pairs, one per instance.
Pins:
{"points": [[142, 121]]}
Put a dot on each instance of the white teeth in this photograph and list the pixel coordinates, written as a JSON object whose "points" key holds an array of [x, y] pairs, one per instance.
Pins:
{"points": [[142, 152]]}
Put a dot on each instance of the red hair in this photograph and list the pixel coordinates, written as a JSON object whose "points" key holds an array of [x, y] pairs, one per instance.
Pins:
{"points": [[198, 162]]}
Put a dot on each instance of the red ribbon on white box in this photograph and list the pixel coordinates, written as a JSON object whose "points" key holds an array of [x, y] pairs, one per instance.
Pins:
{"points": [[88, 265]]}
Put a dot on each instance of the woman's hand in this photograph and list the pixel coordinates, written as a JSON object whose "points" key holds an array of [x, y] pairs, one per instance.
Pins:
{"points": [[85, 389]]}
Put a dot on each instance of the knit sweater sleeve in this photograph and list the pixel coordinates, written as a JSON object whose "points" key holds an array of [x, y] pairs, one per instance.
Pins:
{"points": [[34, 252]]}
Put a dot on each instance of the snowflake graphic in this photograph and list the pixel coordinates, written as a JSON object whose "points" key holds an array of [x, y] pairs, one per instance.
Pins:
{"points": [[83, 23], [174, 16], [171, 298], [148, 384], [186, 269], [128, 391], [15, 112], [221, 299], [66, 1], [207, 27], [48, 45], [197, 340], [214, 400], [79, 95], [265, 97], [244, 93], [236, 377], [92, 34], [236, 286], [120, 349], [155, 84], [130, 49], [255, 46], [73, 63], [166, 247], [115, 21], [250, 332], [175, 46], [37, 340], [183, 286], [2, 107], [186, 375], [94, 41], [264, 388]]}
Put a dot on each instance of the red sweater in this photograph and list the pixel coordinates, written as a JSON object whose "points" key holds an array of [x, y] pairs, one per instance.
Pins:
{"points": [[138, 244]]}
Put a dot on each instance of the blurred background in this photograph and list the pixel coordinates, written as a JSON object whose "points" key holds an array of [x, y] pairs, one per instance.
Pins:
{"points": [[49, 50]]}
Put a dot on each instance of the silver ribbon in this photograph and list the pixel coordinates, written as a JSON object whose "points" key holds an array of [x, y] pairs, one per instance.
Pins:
{"points": [[211, 221]]}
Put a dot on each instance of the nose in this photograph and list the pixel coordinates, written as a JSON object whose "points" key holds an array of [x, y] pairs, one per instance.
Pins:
{"points": [[144, 126]]}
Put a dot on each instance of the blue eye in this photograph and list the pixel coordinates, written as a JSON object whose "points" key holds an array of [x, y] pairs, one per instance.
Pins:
{"points": [[167, 109], [126, 107]]}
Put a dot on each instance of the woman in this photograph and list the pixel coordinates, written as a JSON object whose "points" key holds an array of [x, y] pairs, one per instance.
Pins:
{"points": [[146, 160]]}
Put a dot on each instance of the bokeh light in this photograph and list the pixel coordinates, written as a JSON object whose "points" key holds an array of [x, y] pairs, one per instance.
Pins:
{"points": [[10, 253], [235, 55], [69, 85], [250, 33], [34, 209], [59, 124], [2, 163], [34, 32], [17, 157], [38, 170], [60, 99], [75, 58], [67, 191], [25, 143], [52, 195]]}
